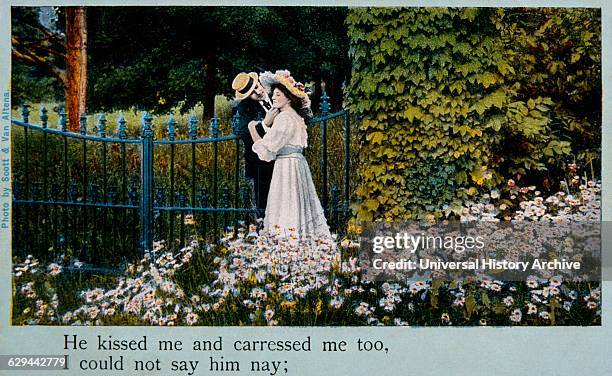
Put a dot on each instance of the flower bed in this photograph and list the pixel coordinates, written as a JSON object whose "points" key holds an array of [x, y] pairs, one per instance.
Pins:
{"points": [[256, 280]]}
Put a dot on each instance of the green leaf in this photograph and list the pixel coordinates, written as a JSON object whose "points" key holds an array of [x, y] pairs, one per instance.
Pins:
{"points": [[376, 137], [371, 204], [499, 308], [485, 299], [413, 113], [470, 304]]}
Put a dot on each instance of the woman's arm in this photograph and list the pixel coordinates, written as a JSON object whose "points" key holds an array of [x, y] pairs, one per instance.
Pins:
{"points": [[266, 124], [270, 116], [277, 137]]}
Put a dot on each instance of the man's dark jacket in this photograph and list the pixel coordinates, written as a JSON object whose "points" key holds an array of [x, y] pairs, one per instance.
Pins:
{"points": [[256, 169]]}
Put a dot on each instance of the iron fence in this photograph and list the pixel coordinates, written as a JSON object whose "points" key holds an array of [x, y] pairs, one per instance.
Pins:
{"points": [[104, 199]]}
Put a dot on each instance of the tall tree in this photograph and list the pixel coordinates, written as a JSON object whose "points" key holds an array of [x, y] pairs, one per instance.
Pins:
{"points": [[76, 63]]}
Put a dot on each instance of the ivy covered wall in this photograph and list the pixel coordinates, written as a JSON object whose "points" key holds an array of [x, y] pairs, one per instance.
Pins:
{"points": [[443, 117]]}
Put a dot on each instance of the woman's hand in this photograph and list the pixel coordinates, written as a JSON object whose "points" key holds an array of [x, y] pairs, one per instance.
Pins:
{"points": [[269, 119]]}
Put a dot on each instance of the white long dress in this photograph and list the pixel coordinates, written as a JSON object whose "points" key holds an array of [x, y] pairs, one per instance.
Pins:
{"points": [[293, 206]]}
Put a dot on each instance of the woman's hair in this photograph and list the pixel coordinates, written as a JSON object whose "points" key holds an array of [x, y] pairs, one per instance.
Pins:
{"points": [[296, 103]]}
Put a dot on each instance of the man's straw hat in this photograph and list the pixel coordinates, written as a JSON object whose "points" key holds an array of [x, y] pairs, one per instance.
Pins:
{"points": [[244, 83]]}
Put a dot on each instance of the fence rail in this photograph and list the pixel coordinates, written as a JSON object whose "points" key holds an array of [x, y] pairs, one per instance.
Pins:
{"points": [[103, 199]]}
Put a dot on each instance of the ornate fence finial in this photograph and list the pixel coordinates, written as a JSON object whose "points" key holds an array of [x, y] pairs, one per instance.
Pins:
{"points": [[62, 120], [324, 100], [112, 194], [225, 197], [121, 126], [335, 205], [147, 130], [43, 117], [16, 189], [235, 121], [83, 123], [160, 198], [203, 198], [25, 113], [182, 198], [53, 192], [94, 193], [73, 193], [244, 196], [193, 127], [35, 190], [133, 195], [171, 127], [102, 125], [214, 127]]}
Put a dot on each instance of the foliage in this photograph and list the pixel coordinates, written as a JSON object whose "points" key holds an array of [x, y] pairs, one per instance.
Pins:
{"points": [[444, 87], [160, 57], [429, 84], [39, 87], [39, 79], [556, 54]]}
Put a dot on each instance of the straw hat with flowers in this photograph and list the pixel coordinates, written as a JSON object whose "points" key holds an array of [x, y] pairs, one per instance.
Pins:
{"points": [[283, 77]]}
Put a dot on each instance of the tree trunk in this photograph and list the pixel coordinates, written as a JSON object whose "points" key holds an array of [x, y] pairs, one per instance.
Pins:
{"points": [[76, 65], [210, 87]]}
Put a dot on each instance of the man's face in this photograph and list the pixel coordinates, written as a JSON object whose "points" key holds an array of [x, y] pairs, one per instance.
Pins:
{"points": [[258, 93]]}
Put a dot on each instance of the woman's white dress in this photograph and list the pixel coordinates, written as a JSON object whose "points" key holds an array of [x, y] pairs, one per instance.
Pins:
{"points": [[293, 206]]}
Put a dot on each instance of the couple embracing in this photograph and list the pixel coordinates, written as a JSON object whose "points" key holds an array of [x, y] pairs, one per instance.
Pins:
{"points": [[274, 134]]}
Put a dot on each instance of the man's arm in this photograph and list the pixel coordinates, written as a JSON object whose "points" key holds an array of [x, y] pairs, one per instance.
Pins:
{"points": [[246, 114], [241, 127], [260, 129]]}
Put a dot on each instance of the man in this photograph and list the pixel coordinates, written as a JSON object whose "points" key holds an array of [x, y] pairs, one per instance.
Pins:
{"points": [[253, 104]]}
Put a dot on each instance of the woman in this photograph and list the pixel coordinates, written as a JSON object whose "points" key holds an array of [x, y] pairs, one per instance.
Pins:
{"points": [[293, 206]]}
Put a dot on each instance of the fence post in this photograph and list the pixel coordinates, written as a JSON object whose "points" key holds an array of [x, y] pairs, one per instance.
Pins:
{"points": [[335, 207], [347, 159], [25, 114], [171, 137], [124, 192], [43, 119], [324, 112], [84, 209], [193, 134], [146, 187], [214, 132], [235, 121], [102, 129]]}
